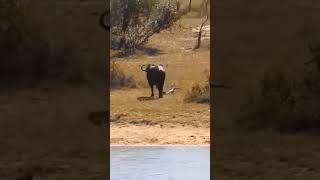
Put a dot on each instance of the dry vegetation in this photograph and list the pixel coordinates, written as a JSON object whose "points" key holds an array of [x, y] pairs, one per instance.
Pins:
{"points": [[250, 37], [44, 131], [118, 78], [34, 50], [199, 93], [170, 120]]}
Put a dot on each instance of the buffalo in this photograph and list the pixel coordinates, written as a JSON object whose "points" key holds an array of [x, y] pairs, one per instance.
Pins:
{"points": [[156, 75]]}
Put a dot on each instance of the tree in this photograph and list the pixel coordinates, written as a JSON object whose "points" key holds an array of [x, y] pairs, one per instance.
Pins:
{"points": [[134, 21], [200, 30], [178, 6], [22, 47]]}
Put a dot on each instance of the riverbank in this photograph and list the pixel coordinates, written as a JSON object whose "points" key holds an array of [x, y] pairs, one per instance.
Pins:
{"points": [[157, 136]]}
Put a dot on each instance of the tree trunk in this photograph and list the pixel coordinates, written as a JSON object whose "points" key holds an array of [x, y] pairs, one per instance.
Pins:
{"points": [[178, 6], [200, 30], [125, 24], [190, 5], [203, 7]]}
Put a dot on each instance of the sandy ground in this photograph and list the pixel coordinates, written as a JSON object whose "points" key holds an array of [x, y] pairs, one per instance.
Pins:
{"points": [[169, 120], [149, 135]]}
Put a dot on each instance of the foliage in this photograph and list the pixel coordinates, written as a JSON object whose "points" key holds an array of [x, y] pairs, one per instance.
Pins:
{"points": [[26, 56], [133, 22], [283, 104]]}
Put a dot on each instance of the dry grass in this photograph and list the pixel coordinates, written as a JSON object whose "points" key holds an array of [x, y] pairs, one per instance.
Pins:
{"points": [[199, 92], [195, 6], [183, 67], [118, 77]]}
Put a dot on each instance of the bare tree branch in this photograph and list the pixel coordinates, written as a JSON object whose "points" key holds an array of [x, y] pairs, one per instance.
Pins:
{"points": [[190, 5], [200, 31]]}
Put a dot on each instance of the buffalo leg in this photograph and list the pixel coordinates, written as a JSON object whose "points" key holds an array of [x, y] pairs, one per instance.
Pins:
{"points": [[160, 88], [152, 94]]}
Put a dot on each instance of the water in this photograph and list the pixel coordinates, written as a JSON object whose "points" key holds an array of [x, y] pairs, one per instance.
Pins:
{"points": [[160, 163]]}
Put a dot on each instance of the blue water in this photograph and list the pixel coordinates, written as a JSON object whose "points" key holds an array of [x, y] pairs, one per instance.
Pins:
{"points": [[160, 163]]}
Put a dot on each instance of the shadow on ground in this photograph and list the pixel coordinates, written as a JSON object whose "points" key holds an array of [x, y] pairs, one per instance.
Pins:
{"points": [[146, 98], [150, 51], [147, 51]]}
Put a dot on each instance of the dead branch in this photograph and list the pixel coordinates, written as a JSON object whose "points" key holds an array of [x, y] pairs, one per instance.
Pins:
{"points": [[190, 2], [171, 91], [200, 31], [220, 86]]}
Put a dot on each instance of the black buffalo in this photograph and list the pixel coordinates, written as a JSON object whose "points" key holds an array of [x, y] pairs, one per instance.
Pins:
{"points": [[156, 75]]}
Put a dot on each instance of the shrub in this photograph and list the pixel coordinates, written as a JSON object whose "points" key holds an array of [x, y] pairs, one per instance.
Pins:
{"points": [[26, 56], [118, 79], [134, 21], [281, 104], [263, 109], [16, 53], [199, 93]]}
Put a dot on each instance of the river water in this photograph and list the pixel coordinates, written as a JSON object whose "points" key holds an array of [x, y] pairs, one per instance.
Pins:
{"points": [[159, 163]]}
